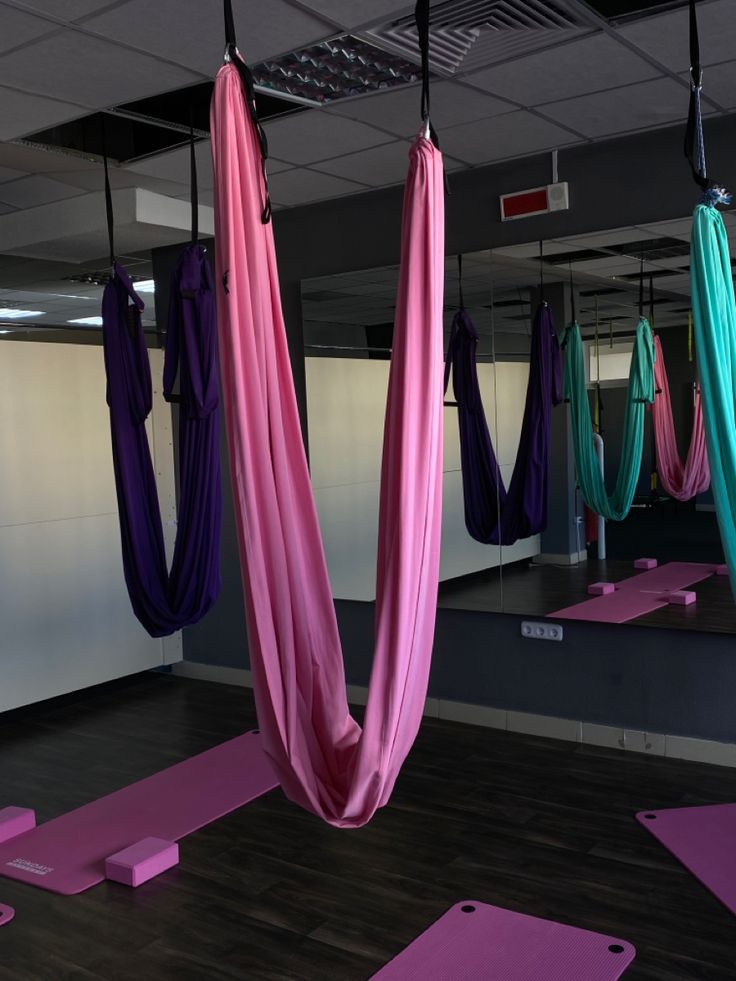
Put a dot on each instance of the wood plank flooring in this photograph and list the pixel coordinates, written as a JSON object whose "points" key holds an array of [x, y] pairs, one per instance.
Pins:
{"points": [[269, 892], [537, 590]]}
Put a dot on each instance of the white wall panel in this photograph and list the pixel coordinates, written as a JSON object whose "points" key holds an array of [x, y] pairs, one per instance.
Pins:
{"points": [[65, 616], [346, 403]]}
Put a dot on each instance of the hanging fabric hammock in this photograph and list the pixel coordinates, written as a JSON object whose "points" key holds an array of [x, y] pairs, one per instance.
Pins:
{"points": [[165, 602], [494, 515], [681, 481], [323, 759], [714, 318], [640, 392]]}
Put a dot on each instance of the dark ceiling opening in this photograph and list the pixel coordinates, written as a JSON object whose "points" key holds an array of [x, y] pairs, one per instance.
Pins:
{"points": [[148, 126]]}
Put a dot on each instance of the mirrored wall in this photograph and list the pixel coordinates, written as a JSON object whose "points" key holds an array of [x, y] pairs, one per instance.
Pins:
{"points": [[604, 281]]}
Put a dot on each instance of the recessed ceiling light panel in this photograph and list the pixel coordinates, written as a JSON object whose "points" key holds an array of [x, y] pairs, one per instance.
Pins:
{"points": [[11, 313], [331, 70], [87, 321]]}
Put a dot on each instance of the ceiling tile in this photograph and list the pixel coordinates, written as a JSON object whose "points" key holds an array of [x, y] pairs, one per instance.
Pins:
{"points": [[317, 135], [88, 71], [38, 161], [175, 165], [199, 45], [18, 27], [8, 174], [22, 113], [398, 111], [34, 190], [354, 13], [378, 166], [512, 135], [665, 36], [67, 9], [302, 186], [719, 84], [591, 64], [633, 107]]}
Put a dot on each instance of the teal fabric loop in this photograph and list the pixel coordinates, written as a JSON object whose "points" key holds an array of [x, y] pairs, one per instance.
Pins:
{"points": [[640, 392], [714, 322]]}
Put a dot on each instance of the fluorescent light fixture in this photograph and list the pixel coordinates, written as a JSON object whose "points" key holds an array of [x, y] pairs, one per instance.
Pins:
{"points": [[144, 286], [87, 321], [73, 296], [11, 313]]}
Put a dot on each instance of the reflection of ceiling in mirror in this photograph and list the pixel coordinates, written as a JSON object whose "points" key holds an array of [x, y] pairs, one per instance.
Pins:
{"points": [[605, 267]]}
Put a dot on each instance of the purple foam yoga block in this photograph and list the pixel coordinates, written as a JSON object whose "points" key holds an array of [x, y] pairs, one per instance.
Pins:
{"points": [[645, 564], [681, 597], [140, 862], [15, 820], [721, 570], [601, 588]]}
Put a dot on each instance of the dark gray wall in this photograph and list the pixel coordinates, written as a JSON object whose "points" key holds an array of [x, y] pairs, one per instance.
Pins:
{"points": [[664, 681]]}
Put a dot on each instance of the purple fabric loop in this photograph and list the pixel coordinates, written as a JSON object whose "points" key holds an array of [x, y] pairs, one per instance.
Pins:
{"points": [[163, 602], [494, 515]]}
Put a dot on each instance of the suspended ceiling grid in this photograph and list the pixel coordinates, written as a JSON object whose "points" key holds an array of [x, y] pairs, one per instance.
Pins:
{"points": [[60, 61]]}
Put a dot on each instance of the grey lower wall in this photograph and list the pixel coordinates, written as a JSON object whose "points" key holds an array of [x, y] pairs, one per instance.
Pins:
{"points": [[663, 681]]}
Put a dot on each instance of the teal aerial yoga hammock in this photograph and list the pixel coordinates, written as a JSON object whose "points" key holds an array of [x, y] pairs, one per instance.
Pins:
{"points": [[640, 392], [714, 319]]}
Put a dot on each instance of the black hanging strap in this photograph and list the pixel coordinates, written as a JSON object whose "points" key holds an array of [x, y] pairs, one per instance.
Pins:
{"points": [[641, 287], [572, 295], [194, 194], [694, 149], [230, 40], [694, 144], [651, 300], [541, 271], [108, 202], [246, 77], [460, 297], [421, 17]]}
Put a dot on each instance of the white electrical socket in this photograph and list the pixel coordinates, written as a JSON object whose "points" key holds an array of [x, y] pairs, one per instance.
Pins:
{"points": [[541, 631]]}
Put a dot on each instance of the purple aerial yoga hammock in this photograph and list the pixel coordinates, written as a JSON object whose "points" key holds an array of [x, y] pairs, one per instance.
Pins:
{"points": [[494, 515], [165, 602]]}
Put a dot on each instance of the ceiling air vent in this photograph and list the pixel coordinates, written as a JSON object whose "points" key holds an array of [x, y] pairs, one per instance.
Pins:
{"points": [[470, 34]]}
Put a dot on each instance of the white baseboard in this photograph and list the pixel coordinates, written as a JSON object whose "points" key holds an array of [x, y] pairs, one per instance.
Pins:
{"points": [[547, 726]]}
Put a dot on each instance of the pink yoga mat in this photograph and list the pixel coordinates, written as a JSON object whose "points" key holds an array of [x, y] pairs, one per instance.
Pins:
{"points": [[704, 840], [67, 855], [638, 594], [476, 942]]}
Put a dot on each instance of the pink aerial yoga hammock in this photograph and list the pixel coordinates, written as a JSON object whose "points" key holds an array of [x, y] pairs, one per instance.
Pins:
{"points": [[323, 759], [680, 481]]}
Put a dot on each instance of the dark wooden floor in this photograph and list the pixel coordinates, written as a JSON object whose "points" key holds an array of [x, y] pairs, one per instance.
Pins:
{"points": [[538, 590], [269, 892]]}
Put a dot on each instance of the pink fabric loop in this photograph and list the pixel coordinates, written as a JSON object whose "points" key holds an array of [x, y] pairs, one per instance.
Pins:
{"points": [[323, 759], [680, 481]]}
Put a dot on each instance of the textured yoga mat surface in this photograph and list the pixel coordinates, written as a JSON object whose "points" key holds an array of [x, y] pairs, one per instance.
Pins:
{"points": [[67, 854], [637, 595], [704, 840], [476, 942]]}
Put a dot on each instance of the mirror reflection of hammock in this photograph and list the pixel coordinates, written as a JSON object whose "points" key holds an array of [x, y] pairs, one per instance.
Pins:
{"points": [[680, 480], [640, 392], [493, 514]]}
